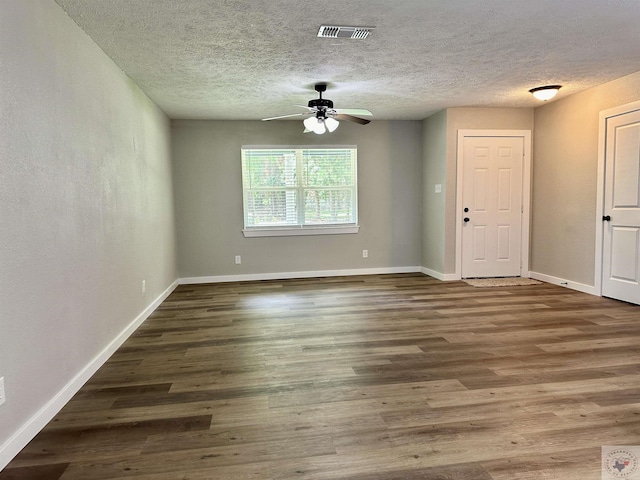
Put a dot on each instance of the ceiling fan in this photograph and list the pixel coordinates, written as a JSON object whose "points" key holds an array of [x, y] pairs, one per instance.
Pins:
{"points": [[322, 116]]}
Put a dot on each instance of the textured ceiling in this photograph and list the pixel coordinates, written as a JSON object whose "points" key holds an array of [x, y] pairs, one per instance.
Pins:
{"points": [[249, 59]]}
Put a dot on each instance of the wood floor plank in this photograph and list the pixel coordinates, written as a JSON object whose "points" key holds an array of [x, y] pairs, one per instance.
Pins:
{"points": [[35, 472], [573, 464], [377, 377]]}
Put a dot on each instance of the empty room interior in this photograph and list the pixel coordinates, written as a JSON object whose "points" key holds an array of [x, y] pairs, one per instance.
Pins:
{"points": [[319, 240]]}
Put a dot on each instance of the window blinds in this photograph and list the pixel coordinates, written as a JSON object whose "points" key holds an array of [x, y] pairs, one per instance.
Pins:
{"points": [[298, 187]]}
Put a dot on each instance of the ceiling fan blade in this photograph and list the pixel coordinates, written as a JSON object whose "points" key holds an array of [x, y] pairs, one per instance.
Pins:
{"points": [[284, 116], [351, 118], [311, 109], [354, 111]]}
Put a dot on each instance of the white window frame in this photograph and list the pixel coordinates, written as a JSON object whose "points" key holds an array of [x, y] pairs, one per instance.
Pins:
{"points": [[301, 229]]}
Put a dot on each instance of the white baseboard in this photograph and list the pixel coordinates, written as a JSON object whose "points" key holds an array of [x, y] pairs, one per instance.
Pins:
{"points": [[290, 275], [36, 423], [445, 277], [580, 287]]}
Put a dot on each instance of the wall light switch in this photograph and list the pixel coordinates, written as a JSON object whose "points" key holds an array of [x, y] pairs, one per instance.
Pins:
{"points": [[438, 188], [238, 260]]}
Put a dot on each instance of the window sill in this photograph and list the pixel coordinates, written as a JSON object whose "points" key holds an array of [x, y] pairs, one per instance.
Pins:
{"points": [[295, 231]]}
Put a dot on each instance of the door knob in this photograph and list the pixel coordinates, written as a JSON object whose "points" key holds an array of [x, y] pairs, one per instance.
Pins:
{"points": [[466, 219], [606, 218], [466, 209]]}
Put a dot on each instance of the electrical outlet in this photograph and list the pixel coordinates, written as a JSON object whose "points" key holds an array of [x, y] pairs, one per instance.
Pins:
{"points": [[2, 397], [144, 287], [438, 188], [365, 253], [238, 260]]}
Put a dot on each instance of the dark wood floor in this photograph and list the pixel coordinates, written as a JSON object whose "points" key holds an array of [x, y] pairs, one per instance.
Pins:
{"points": [[390, 377]]}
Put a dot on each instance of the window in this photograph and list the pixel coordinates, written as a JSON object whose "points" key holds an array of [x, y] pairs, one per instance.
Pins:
{"points": [[299, 190]]}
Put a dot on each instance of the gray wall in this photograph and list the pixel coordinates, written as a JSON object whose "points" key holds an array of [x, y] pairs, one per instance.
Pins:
{"points": [[564, 179], [85, 205], [440, 166], [472, 118], [434, 172], [208, 186]]}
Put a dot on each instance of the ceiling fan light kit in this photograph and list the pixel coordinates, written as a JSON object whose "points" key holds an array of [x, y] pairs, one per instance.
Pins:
{"points": [[331, 124], [315, 125], [322, 117], [545, 93]]}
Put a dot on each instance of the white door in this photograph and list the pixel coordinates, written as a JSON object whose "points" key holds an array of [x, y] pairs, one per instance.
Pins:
{"points": [[492, 206], [621, 240]]}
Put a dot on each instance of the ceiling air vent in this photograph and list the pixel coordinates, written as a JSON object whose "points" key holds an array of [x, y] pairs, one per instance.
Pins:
{"points": [[327, 31]]}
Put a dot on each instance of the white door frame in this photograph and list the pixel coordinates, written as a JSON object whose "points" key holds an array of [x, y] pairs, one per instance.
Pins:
{"points": [[526, 192], [602, 150]]}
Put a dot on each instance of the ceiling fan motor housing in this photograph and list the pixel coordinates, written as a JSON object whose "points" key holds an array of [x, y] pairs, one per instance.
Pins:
{"points": [[321, 103]]}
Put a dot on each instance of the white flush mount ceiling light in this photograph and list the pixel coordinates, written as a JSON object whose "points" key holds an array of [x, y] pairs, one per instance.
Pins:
{"points": [[545, 93]]}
